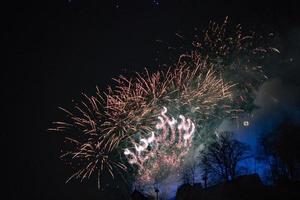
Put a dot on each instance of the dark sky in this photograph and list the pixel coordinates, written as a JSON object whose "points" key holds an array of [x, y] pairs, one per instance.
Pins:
{"points": [[57, 49]]}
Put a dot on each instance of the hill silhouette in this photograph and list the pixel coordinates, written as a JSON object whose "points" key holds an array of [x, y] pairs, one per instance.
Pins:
{"points": [[247, 187]]}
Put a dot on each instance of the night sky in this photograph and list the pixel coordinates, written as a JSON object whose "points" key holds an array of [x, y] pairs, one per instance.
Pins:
{"points": [[58, 49]]}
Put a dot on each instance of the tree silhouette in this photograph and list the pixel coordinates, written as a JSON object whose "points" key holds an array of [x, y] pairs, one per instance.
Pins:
{"points": [[221, 156], [189, 173], [282, 146]]}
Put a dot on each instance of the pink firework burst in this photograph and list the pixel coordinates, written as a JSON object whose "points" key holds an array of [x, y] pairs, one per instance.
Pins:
{"points": [[164, 150]]}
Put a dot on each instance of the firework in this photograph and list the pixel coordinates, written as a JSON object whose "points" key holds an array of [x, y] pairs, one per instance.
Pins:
{"points": [[126, 121], [89, 150], [99, 127], [164, 148]]}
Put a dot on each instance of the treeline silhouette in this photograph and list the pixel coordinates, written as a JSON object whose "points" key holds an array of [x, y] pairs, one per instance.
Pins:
{"points": [[224, 179]]}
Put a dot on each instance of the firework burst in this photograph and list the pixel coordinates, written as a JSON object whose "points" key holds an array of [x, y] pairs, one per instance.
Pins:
{"points": [[164, 148], [207, 84]]}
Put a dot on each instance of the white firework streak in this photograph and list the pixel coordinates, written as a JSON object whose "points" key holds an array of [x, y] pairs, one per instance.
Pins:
{"points": [[163, 149]]}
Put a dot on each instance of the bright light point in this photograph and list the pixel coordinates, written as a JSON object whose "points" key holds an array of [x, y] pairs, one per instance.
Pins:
{"points": [[246, 123], [138, 148], [160, 126], [126, 152], [187, 136], [174, 121], [165, 110]]}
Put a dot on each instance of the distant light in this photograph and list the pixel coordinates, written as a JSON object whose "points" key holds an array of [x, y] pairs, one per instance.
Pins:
{"points": [[156, 2], [246, 123]]}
